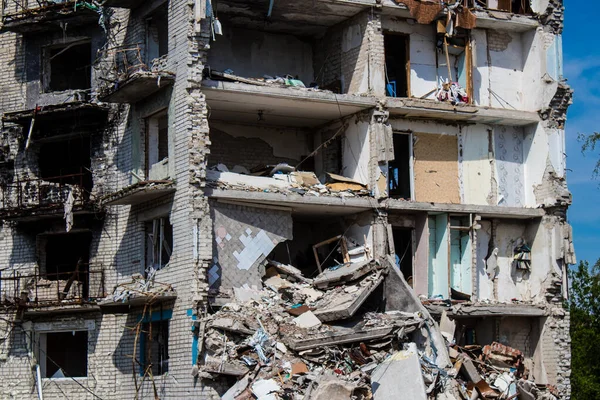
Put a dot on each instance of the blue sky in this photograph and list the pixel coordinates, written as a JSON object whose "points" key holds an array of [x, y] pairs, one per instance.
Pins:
{"points": [[582, 70]]}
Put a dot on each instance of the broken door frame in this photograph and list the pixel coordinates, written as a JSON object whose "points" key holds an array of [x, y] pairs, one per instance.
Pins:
{"points": [[406, 37], [443, 243], [411, 159]]}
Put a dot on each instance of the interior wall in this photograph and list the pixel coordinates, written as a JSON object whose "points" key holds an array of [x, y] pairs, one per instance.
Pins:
{"points": [[356, 151], [252, 53], [477, 180], [250, 146], [484, 288], [510, 171], [420, 281], [436, 168], [513, 283], [504, 51], [543, 148]]}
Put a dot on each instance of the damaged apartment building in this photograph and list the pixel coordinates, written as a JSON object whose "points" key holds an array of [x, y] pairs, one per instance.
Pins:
{"points": [[272, 199]]}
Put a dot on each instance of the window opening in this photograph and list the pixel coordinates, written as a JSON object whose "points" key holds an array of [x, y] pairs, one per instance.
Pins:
{"points": [[155, 346], [399, 169], [68, 67], [159, 234], [404, 252], [157, 34], [397, 65], [64, 354]]}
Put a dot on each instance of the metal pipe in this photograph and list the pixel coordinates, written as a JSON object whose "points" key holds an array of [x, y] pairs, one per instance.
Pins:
{"points": [[39, 381]]}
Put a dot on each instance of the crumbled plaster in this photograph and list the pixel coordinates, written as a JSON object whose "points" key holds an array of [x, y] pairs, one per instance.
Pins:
{"points": [[553, 189]]}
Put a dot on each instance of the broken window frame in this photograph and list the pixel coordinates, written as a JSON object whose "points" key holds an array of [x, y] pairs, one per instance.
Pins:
{"points": [[411, 174], [155, 249], [42, 355], [152, 156], [443, 244], [162, 319], [46, 71]]}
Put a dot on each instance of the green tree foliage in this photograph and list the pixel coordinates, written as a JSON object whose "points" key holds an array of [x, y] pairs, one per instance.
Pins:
{"points": [[588, 144], [584, 306]]}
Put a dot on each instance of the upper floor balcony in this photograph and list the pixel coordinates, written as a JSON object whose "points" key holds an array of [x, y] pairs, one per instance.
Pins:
{"points": [[129, 79], [35, 198], [31, 16], [70, 288], [51, 152]]}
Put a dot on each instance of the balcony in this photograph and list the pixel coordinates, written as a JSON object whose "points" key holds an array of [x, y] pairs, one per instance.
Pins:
{"points": [[66, 291], [37, 198], [31, 16], [129, 79], [432, 109]]}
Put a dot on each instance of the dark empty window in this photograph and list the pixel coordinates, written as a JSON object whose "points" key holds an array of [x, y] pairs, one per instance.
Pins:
{"points": [[68, 67], [399, 169], [397, 67], [155, 347], [65, 354], [66, 162], [404, 256], [67, 258]]}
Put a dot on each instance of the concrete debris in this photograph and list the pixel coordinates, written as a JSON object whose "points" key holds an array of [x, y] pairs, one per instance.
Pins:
{"points": [[139, 291], [403, 367], [319, 339], [326, 338], [307, 320], [286, 181], [267, 80]]}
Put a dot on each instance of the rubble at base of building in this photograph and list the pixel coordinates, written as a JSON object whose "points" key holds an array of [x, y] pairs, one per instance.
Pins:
{"points": [[330, 338]]}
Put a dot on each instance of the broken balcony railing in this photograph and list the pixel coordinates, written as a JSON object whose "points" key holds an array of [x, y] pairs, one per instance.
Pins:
{"points": [[17, 10], [83, 285], [128, 77], [45, 193]]}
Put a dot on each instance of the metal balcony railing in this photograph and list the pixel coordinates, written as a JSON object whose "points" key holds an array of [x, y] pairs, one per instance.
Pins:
{"points": [[17, 9], [83, 285], [45, 193], [122, 62]]}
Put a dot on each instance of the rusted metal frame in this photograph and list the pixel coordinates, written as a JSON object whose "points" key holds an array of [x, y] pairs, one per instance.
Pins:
{"points": [[17, 277]]}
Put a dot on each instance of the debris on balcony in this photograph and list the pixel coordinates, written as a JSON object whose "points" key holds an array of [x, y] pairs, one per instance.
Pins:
{"points": [[453, 93], [139, 291], [283, 178], [267, 80]]}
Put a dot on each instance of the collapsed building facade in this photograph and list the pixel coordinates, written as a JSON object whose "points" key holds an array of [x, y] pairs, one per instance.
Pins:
{"points": [[205, 199]]}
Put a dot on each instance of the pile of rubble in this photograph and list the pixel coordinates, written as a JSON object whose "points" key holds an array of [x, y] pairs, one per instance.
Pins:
{"points": [[332, 337], [283, 178]]}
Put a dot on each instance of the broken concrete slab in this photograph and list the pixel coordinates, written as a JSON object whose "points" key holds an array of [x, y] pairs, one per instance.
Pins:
{"points": [[307, 320], [266, 389], [447, 326], [333, 388], [344, 303], [402, 367], [345, 273]]}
